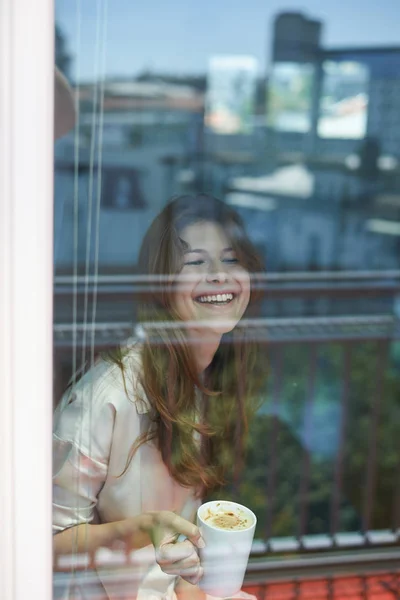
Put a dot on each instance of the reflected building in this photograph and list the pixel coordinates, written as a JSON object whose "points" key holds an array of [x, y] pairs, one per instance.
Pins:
{"points": [[333, 130], [328, 99], [315, 179], [313, 167], [129, 149]]}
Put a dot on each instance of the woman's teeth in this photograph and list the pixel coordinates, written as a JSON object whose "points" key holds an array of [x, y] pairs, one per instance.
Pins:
{"points": [[219, 298]]}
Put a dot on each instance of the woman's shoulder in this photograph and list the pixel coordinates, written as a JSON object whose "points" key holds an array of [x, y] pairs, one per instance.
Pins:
{"points": [[113, 380], [106, 396]]}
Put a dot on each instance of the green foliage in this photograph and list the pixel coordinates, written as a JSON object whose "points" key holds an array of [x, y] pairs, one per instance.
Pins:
{"points": [[319, 400], [365, 396]]}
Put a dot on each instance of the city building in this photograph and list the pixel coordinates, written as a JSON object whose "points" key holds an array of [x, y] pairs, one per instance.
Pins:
{"points": [[333, 133], [324, 101], [314, 175], [138, 136]]}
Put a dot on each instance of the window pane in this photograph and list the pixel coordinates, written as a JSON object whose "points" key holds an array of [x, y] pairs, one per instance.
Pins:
{"points": [[226, 284]]}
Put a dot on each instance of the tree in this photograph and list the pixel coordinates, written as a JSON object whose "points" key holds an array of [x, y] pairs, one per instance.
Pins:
{"points": [[291, 453]]}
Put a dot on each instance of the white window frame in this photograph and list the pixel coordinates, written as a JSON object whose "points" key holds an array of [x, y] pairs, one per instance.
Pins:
{"points": [[26, 271]]}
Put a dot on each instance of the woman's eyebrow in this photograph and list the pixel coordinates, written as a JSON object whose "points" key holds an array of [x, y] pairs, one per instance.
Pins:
{"points": [[201, 250]]}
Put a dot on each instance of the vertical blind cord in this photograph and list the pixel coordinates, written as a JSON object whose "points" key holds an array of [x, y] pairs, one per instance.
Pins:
{"points": [[96, 135]]}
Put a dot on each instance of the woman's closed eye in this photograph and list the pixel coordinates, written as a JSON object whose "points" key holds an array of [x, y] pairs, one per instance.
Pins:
{"points": [[230, 261], [196, 263]]}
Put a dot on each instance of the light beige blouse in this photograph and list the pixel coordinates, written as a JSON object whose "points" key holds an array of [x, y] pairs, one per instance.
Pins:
{"points": [[95, 427]]}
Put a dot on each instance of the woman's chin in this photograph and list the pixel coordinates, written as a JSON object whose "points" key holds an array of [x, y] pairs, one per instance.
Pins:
{"points": [[215, 326], [226, 327]]}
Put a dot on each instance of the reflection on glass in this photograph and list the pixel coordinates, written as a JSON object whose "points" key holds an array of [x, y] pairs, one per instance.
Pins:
{"points": [[344, 101], [322, 457], [289, 97], [230, 94]]}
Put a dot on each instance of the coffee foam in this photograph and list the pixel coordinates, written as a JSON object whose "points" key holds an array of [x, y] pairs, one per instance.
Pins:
{"points": [[227, 517]]}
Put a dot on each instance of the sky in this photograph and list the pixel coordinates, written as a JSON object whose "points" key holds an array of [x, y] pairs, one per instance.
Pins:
{"points": [[179, 36]]}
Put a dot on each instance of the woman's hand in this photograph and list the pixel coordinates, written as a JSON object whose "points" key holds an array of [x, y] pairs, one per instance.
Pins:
{"points": [[176, 558], [162, 529], [186, 591]]}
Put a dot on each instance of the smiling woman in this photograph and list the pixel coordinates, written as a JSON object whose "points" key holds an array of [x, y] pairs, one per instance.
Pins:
{"points": [[197, 251], [212, 285], [157, 425]]}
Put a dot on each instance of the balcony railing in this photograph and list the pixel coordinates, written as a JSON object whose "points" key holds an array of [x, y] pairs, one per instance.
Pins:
{"points": [[367, 575], [367, 557]]}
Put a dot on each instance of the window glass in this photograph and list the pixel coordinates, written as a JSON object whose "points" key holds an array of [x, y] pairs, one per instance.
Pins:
{"points": [[226, 259]]}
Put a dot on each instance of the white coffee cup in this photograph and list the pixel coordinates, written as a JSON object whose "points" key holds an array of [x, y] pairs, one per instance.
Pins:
{"points": [[225, 557]]}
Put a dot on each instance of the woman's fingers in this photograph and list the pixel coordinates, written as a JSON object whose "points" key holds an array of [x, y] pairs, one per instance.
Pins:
{"points": [[194, 579], [177, 558], [192, 575], [180, 559], [177, 525], [177, 553]]}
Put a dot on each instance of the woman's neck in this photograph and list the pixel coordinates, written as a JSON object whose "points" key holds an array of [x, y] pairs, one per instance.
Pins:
{"points": [[204, 346]]}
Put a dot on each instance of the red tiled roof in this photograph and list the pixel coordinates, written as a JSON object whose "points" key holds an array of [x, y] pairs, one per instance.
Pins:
{"points": [[385, 586], [193, 103]]}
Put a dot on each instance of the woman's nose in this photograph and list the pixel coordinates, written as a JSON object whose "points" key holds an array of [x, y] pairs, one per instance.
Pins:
{"points": [[216, 274]]}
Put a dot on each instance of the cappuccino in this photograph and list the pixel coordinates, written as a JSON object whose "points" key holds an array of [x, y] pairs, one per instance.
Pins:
{"points": [[227, 529], [223, 518]]}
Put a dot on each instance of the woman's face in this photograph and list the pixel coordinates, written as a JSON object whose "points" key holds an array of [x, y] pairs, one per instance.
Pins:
{"points": [[212, 289]]}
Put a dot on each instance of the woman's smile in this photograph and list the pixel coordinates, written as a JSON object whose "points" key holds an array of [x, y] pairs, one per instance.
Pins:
{"points": [[216, 299], [212, 286]]}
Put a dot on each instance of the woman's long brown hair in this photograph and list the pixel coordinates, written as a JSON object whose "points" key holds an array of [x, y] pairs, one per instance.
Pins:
{"points": [[201, 442]]}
